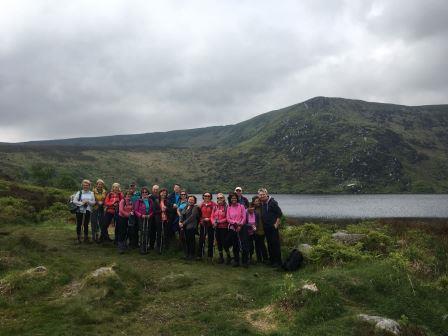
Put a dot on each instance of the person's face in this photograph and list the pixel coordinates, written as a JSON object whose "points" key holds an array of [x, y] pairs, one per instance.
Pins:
{"points": [[263, 196], [128, 196], [163, 194], [221, 199], [183, 195], [207, 197], [85, 186], [145, 193], [132, 189], [99, 186], [251, 209], [155, 190], [256, 202], [239, 192], [234, 200], [176, 189], [115, 189], [190, 200]]}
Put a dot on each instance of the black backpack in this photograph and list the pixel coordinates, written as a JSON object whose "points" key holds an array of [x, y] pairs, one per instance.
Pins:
{"points": [[73, 207], [294, 260]]}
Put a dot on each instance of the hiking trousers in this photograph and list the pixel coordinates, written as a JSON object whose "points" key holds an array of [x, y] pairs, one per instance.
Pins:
{"points": [[82, 220], [273, 239], [206, 233]]}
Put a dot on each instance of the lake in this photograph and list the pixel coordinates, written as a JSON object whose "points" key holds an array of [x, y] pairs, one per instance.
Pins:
{"points": [[361, 206]]}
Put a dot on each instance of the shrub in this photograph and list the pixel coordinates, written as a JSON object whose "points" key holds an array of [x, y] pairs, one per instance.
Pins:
{"points": [[15, 210], [377, 242], [329, 251]]}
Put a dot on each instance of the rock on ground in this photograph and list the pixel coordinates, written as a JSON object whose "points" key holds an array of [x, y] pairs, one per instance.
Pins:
{"points": [[311, 287], [348, 238], [382, 323]]}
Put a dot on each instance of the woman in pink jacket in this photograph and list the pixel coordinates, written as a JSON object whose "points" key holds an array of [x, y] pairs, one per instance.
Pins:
{"points": [[219, 222], [125, 209], [236, 217], [144, 210]]}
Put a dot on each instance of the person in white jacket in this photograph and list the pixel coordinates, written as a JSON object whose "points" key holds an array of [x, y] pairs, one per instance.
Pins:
{"points": [[85, 200]]}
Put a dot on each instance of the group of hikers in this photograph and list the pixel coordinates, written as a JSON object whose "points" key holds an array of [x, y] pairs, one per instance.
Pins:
{"points": [[152, 219]]}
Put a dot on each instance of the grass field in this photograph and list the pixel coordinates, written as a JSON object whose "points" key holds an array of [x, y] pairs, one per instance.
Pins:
{"points": [[399, 273]]}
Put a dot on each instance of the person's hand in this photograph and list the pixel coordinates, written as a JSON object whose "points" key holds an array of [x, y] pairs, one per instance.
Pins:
{"points": [[181, 225], [175, 206], [277, 223], [254, 227], [238, 228]]}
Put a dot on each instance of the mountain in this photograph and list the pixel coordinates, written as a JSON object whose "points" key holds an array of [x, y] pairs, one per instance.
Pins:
{"points": [[320, 145]]}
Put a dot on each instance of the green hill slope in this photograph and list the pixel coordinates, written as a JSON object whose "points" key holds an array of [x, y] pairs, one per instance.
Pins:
{"points": [[320, 145]]}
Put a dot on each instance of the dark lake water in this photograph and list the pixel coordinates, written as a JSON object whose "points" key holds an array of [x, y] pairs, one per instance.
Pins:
{"points": [[362, 206]]}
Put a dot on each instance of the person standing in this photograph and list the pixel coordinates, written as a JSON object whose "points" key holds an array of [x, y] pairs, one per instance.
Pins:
{"points": [[219, 221], [124, 212], [174, 200], [97, 217], [206, 229], [248, 231], [155, 228], [133, 222], [188, 223], [84, 199], [259, 236], [163, 222], [271, 214], [111, 202], [236, 216], [241, 199], [143, 210]]}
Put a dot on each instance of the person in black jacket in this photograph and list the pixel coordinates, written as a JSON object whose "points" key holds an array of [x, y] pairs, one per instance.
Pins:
{"points": [[188, 223], [271, 214]]}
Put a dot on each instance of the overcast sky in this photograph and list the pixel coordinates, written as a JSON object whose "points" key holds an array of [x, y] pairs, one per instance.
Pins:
{"points": [[90, 68]]}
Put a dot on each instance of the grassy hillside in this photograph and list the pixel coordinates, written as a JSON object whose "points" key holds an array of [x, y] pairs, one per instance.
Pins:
{"points": [[396, 271], [321, 145]]}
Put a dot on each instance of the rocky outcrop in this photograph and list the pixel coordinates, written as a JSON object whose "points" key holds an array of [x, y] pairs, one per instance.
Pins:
{"points": [[381, 323]]}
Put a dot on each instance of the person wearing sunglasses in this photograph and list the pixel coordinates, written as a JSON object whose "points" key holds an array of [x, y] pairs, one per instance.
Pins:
{"points": [[206, 229], [219, 222]]}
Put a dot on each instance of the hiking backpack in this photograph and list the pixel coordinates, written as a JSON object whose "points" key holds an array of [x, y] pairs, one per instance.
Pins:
{"points": [[294, 261]]}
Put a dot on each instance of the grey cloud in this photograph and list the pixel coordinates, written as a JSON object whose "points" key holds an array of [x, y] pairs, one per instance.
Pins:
{"points": [[112, 68]]}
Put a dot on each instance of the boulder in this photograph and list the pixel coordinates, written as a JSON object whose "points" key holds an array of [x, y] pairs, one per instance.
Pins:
{"points": [[381, 323], [348, 238], [310, 287], [39, 270], [305, 249]]}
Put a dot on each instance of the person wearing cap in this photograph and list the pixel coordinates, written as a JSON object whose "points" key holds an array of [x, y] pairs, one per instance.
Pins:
{"points": [[99, 192], [271, 214], [241, 199]]}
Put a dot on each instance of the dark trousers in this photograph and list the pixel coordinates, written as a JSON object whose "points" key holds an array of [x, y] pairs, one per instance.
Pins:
{"points": [[190, 242], [260, 248], [234, 240], [222, 240], [210, 233], [154, 232], [158, 234], [273, 239], [133, 231], [122, 231], [97, 221], [144, 224], [106, 222], [245, 243], [82, 220]]}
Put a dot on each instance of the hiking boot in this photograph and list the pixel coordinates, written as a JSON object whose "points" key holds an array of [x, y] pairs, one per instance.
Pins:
{"points": [[228, 260], [236, 264], [86, 240], [245, 265], [221, 260], [79, 240]]}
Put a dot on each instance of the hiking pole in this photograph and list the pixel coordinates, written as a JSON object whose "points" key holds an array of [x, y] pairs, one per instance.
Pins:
{"points": [[161, 237]]}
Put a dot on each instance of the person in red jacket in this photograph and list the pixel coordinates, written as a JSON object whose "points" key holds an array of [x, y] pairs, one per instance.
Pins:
{"points": [[219, 221], [111, 203], [144, 210], [126, 209], [205, 226]]}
